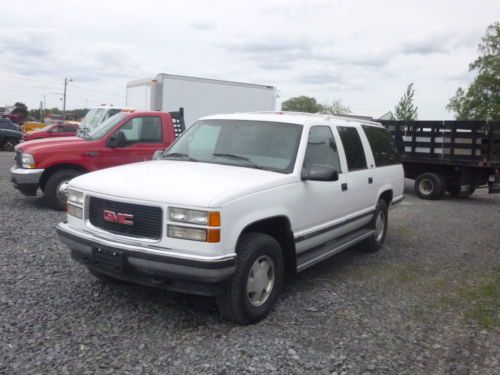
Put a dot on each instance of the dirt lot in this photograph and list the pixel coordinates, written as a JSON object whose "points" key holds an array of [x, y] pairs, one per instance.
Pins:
{"points": [[428, 303]]}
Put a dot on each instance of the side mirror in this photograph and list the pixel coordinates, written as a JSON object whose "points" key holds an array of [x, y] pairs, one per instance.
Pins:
{"points": [[157, 154], [117, 139], [319, 172]]}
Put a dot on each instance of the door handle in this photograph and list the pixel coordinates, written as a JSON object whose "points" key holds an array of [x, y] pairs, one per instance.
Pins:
{"points": [[92, 153], [344, 186], [370, 180]]}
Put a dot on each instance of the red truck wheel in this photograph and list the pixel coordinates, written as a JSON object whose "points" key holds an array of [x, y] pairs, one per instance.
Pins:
{"points": [[56, 185]]}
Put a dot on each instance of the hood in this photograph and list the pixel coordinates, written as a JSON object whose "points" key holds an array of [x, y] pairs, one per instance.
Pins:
{"points": [[46, 143], [180, 182]]}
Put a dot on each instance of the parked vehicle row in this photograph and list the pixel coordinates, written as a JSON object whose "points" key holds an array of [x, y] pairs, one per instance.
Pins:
{"points": [[234, 204], [10, 134], [49, 164]]}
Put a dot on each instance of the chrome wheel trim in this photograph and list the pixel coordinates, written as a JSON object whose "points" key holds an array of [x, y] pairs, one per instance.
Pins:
{"points": [[380, 226], [260, 280], [62, 191], [426, 186]]}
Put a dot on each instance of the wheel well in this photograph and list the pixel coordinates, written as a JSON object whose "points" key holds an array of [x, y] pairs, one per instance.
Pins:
{"points": [[279, 228], [387, 197], [49, 171]]}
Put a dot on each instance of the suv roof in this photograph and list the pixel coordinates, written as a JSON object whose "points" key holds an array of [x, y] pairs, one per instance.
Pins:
{"points": [[301, 118]]}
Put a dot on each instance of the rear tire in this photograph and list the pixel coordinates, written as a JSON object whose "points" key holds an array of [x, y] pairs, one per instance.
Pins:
{"points": [[256, 282], [379, 223], [8, 145], [430, 186], [55, 186]]}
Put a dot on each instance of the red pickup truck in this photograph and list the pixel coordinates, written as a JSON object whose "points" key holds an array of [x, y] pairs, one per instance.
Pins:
{"points": [[49, 164], [52, 131]]}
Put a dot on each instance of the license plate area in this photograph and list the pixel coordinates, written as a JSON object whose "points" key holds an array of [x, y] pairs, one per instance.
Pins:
{"points": [[108, 259]]}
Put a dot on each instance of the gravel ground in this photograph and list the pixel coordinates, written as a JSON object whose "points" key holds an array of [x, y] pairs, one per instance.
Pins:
{"points": [[428, 303]]}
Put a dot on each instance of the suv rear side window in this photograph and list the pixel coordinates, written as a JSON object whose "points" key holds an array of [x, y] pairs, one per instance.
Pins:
{"points": [[354, 151], [321, 148], [383, 146]]}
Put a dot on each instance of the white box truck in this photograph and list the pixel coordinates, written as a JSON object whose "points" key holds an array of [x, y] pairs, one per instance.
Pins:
{"points": [[198, 96]]}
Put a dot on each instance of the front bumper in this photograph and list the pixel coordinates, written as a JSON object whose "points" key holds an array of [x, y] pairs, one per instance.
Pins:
{"points": [[142, 265], [26, 180]]}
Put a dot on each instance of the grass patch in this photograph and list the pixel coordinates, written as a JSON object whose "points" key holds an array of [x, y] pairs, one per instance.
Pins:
{"points": [[484, 301]]}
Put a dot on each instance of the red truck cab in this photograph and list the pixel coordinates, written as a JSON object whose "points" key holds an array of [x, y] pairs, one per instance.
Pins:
{"points": [[49, 164], [52, 131]]}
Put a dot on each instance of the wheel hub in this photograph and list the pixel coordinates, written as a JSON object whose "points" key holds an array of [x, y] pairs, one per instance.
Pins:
{"points": [[426, 186], [380, 226], [62, 191], [260, 280]]}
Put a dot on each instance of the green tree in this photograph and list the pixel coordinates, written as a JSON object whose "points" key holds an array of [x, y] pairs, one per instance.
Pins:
{"points": [[481, 100], [336, 108], [406, 110], [302, 104]]}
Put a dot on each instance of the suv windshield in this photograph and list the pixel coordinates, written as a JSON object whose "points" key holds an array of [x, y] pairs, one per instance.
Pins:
{"points": [[252, 144], [105, 127]]}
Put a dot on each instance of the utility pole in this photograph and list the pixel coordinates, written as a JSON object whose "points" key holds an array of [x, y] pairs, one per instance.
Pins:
{"points": [[66, 81]]}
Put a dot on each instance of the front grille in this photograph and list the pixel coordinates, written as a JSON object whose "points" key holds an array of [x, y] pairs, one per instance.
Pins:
{"points": [[147, 220], [18, 159]]}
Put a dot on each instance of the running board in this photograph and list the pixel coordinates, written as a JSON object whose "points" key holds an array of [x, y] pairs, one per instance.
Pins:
{"points": [[317, 254]]}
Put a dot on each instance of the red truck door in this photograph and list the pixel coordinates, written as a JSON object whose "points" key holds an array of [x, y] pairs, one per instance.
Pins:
{"points": [[143, 136]]}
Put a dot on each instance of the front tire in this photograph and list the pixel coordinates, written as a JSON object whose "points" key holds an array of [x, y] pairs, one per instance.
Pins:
{"points": [[430, 186], [56, 185], [379, 223], [256, 282]]}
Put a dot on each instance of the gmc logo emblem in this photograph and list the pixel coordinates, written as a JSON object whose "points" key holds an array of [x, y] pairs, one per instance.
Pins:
{"points": [[119, 218]]}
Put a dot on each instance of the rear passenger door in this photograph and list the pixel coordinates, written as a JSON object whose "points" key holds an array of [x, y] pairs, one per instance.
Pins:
{"points": [[358, 179]]}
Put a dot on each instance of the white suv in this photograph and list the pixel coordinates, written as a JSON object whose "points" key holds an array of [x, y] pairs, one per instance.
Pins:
{"points": [[235, 203]]}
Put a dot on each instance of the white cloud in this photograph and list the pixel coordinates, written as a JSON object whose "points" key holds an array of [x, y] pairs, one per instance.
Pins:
{"points": [[363, 52]]}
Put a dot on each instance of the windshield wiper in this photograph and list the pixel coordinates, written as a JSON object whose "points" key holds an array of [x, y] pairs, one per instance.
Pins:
{"points": [[239, 157], [179, 155]]}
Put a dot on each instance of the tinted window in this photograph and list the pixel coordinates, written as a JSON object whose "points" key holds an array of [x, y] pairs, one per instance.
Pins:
{"points": [[143, 130], [383, 146], [321, 148], [354, 152]]}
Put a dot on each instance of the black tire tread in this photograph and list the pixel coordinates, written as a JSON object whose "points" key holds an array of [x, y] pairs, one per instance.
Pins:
{"points": [[51, 185], [229, 304]]}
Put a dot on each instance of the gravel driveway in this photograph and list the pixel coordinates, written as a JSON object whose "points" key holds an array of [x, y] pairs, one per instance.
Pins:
{"points": [[428, 303]]}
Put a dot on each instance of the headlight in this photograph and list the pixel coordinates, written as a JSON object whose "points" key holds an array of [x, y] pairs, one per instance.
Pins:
{"points": [[75, 197], [27, 161], [186, 233], [74, 211], [182, 215], [194, 234]]}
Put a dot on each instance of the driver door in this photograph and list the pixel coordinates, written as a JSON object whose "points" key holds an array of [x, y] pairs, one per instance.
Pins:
{"points": [[143, 136], [323, 205]]}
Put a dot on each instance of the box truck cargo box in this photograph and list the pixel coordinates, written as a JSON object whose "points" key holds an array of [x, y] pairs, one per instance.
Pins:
{"points": [[198, 96]]}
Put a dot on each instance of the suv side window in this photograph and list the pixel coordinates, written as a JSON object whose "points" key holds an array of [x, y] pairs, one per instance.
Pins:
{"points": [[354, 151], [321, 148], [383, 146], [143, 130]]}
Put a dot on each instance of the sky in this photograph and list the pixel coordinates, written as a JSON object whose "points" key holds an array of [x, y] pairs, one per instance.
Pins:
{"points": [[362, 52]]}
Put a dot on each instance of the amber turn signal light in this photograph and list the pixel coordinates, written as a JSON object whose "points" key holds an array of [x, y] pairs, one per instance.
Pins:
{"points": [[213, 235], [214, 219]]}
